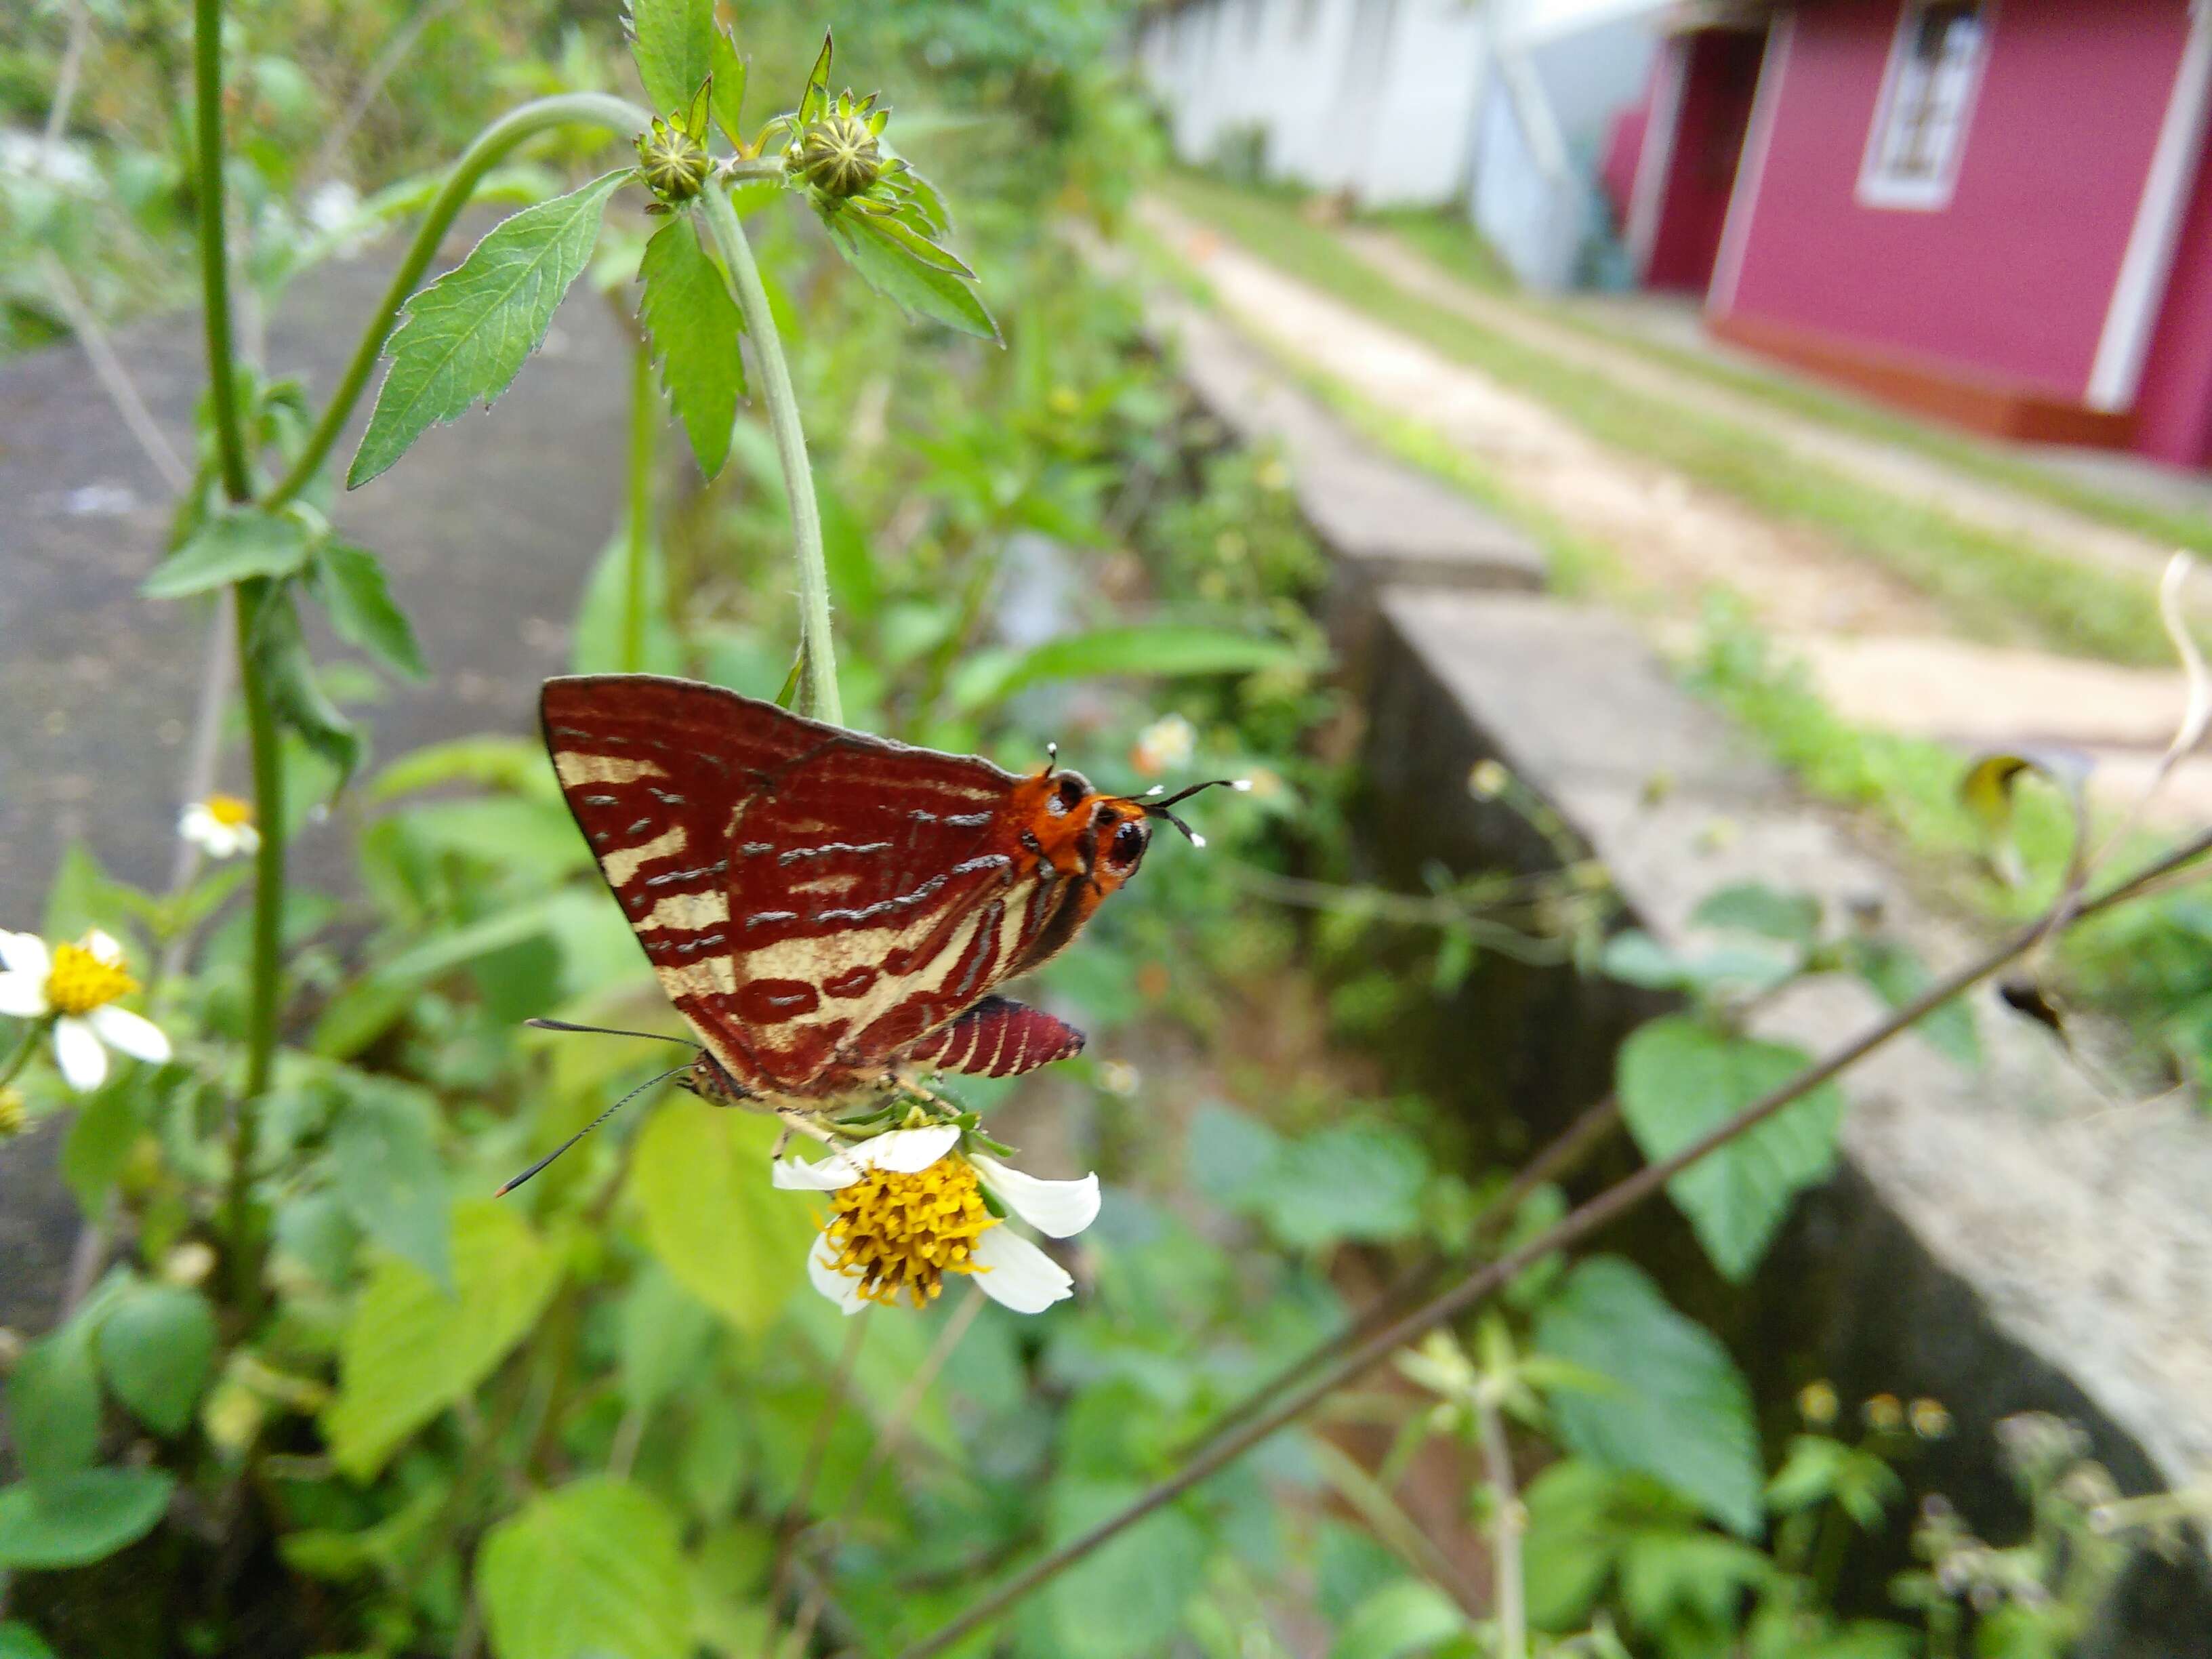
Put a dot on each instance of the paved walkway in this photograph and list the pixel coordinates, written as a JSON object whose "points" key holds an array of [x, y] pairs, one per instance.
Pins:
{"points": [[1880, 650]]}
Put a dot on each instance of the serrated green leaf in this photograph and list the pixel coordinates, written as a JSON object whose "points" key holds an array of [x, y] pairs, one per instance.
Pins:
{"points": [[53, 1405], [157, 1348], [1678, 1079], [671, 41], [463, 339], [710, 1215], [1127, 1598], [1682, 1413], [728, 100], [232, 545], [594, 1568], [348, 583], [816, 98], [386, 1171], [693, 326], [280, 651], [1397, 1620], [81, 1518], [1155, 651], [410, 1351], [881, 250]]}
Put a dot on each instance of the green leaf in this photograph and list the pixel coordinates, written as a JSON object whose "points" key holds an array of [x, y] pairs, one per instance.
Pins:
{"points": [[1679, 1078], [596, 641], [727, 1236], [1988, 789], [53, 1405], [728, 97], [386, 1172], [1127, 1598], [81, 1518], [98, 1145], [672, 42], [232, 545], [1156, 650], [594, 1568], [82, 896], [693, 326], [889, 257], [1751, 906], [1697, 1573], [19, 1641], [411, 1350], [1354, 1182], [1894, 972], [1408, 1617], [348, 583], [1682, 1413], [1634, 957], [1568, 1552], [812, 101], [464, 338], [157, 1348], [280, 651]]}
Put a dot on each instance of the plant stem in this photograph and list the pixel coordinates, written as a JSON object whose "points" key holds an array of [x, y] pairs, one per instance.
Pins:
{"points": [[214, 260], [265, 996], [586, 108], [818, 689], [1510, 1595], [1484, 1282], [643, 407], [25, 1046]]}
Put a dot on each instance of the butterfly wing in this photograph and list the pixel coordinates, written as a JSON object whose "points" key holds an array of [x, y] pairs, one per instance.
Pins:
{"points": [[999, 1038], [813, 900]]}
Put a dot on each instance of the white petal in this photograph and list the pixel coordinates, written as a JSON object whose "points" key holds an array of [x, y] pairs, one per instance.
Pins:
{"points": [[905, 1151], [1058, 1209], [795, 1174], [27, 954], [104, 947], [1020, 1276], [23, 995], [246, 838], [136, 1036], [843, 1289], [78, 1053], [197, 824]]}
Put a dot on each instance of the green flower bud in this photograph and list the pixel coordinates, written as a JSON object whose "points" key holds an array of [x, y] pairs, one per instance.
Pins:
{"points": [[838, 155], [12, 1115], [675, 164]]}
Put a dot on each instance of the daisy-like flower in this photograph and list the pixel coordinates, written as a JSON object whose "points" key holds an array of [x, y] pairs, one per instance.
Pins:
{"points": [[1166, 745], [76, 986], [908, 1208], [221, 826]]}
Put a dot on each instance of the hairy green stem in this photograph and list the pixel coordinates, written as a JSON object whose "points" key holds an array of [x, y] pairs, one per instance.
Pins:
{"points": [[1510, 1595], [215, 259], [265, 994], [25, 1046], [644, 407], [1484, 1282], [617, 115], [819, 686]]}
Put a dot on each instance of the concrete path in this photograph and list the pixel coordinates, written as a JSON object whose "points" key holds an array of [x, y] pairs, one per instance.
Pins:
{"points": [[1907, 474]]}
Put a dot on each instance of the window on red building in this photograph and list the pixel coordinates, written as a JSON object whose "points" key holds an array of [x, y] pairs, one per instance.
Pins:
{"points": [[1927, 102]]}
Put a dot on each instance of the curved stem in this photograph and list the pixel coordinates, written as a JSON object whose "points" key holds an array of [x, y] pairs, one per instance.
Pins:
{"points": [[644, 406], [25, 1046], [819, 686], [1483, 1282], [266, 995], [617, 115], [214, 256]]}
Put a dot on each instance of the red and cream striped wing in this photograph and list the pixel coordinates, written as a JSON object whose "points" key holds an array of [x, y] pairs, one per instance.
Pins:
{"points": [[999, 1038], [814, 901]]}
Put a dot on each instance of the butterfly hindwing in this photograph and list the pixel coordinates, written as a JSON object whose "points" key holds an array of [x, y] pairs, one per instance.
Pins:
{"points": [[999, 1038], [814, 901]]}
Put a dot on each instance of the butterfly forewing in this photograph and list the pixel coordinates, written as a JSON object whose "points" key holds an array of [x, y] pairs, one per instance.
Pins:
{"points": [[814, 901]]}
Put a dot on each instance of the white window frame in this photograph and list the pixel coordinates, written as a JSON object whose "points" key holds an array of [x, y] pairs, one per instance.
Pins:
{"points": [[1880, 185]]}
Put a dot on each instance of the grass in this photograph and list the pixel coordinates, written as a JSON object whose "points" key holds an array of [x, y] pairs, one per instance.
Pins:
{"points": [[1991, 586], [1457, 247]]}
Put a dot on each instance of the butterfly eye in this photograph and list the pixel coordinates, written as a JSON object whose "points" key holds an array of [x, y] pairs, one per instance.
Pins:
{"points": [[1128, 847], [1067, 795]]}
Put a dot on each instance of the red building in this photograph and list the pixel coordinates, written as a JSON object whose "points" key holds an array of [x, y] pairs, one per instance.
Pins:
{"points": [[1998, 211]]}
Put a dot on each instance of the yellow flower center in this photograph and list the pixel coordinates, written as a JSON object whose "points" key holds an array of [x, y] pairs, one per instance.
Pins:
{"points": [[80, 982], [229, 811], [902, 1233]]}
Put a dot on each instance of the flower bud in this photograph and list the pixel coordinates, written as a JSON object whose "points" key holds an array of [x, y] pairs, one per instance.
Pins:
{"points": [[838, 155], [675, 164], [12, 1117]]}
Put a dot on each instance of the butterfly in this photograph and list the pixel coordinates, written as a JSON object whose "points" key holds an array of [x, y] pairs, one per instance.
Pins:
{"points": [[825, 907]]}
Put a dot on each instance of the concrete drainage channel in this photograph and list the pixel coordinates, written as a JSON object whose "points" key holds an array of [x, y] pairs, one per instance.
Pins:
{"points": [[1997, 1238]]}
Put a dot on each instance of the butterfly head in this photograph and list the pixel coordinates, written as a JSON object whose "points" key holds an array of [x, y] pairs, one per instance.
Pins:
{"points": [[1104, 836]]}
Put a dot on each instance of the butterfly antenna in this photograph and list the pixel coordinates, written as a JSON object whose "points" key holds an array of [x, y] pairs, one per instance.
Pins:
{"points": [[1051, 758], [672, 1072], [606, 1030], [1158, 809]]}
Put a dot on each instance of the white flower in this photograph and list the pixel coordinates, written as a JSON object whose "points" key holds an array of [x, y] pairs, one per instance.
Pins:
{"points": [[221, 826], [909, 1209], [76, 986], [332, 206], [1166, 745]]}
